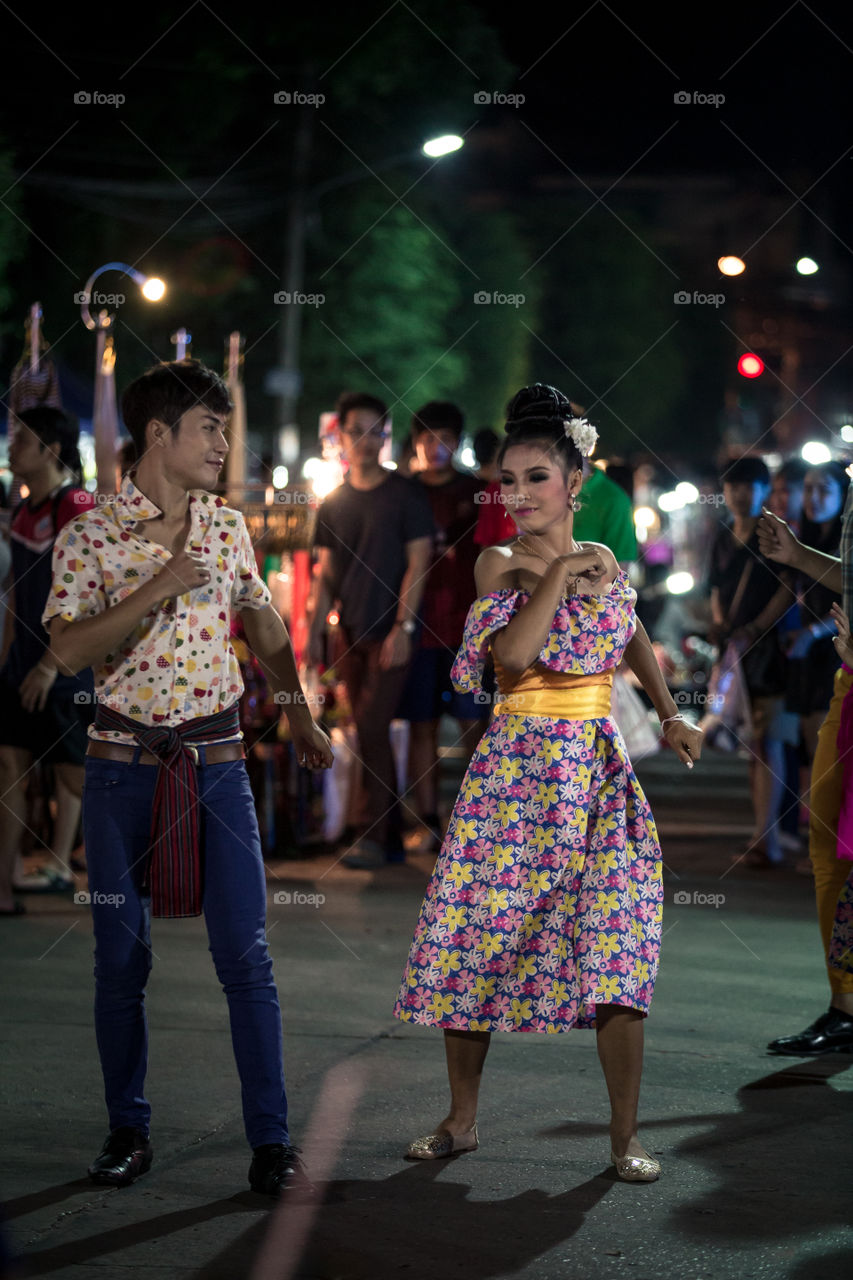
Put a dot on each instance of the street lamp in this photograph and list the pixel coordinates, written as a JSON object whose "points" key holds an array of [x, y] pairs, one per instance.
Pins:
{"points": [[105, 410], [286, 379], [151, 286]]}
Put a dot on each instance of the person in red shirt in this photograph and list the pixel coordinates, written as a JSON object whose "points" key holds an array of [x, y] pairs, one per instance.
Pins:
{"points": [[436, 431], [43, 715]]}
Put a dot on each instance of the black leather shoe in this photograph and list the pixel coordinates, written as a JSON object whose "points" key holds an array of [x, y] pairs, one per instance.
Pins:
{"points": [[276, 1168], [832, 1033], [125, 1155]]}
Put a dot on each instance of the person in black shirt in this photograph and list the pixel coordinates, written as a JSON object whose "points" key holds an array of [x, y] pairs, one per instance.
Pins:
{"points": [[374, 536], [748, 597]]}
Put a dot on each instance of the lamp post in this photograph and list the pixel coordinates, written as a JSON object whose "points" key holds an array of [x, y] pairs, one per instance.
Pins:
{"points": [[105, 412], [287, 378]]}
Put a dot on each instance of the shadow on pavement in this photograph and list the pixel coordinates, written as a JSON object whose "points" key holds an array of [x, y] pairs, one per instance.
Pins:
{"points": [[415, 1224], [770, 1156]]}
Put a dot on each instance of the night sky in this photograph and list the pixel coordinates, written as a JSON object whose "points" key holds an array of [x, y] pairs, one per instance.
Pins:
{"points": [[766, 119]]}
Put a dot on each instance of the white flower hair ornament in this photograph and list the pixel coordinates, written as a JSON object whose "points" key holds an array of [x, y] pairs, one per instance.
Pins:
{"points": [[583, 434]]}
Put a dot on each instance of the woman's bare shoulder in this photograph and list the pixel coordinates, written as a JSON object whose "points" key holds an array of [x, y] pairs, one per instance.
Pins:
{"points": [[495, 570]]}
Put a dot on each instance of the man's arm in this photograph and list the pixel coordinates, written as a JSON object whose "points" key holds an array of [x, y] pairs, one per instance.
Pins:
{"points": [[397, 646], [85, 643], [8, 625], [270, 643], [324, 598]]}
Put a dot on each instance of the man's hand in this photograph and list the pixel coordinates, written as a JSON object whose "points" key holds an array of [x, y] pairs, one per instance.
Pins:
{"points": [[183, 573], [776, 541], [35, 687], [396, 649], [842, 642], [312, 746], [685, 739]]}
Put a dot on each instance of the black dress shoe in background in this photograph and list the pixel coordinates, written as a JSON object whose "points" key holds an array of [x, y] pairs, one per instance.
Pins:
{"points": [[125, 1155], [832, 1033], [276, 1168]]}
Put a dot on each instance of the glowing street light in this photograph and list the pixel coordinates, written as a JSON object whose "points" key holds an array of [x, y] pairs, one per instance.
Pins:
{"points": [[153, 289], [730, 265], [846, 433], [442, 146], [807, 266], [815, 452]]}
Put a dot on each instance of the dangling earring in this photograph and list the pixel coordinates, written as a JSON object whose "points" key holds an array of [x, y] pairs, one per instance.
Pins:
{"points": [[576, 506]]}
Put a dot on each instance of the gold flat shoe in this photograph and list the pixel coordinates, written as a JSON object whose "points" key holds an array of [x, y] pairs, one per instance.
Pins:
{"points": [[636, 1168], [438, 1145]]}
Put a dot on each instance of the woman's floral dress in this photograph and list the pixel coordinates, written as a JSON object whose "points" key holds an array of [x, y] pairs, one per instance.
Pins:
{"points": [[546, 897]]}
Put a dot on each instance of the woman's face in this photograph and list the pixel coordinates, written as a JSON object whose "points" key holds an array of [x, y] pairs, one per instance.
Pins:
{"points": [[786, 498], [821, 496], [535, 488]]}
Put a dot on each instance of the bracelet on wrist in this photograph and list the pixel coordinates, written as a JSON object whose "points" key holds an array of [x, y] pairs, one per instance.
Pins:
{"points": [[48, 671], [671, 720]]}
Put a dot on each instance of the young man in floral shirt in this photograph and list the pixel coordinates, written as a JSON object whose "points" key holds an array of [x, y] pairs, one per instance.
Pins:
{"points": [[143, 592]]}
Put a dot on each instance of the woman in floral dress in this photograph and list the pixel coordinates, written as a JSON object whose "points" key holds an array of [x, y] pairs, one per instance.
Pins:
{"points": [[544, 910]]}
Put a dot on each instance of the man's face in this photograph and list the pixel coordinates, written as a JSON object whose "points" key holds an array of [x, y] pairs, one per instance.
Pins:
{"points": [[435, 448], [27, 454], [195, 452], [363, 434]]}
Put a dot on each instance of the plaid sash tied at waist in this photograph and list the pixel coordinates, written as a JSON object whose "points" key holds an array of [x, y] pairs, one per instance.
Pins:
{"points": [[173, 872]]}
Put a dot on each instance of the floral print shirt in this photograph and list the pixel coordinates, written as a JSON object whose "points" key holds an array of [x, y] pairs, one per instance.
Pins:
{"points": [[177, 663]]}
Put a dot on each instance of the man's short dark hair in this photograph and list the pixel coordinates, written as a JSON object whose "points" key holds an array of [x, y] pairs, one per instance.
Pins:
{"points": [[438, 415], [168, 391], [747, 470], [52, 426], [350, 401]]}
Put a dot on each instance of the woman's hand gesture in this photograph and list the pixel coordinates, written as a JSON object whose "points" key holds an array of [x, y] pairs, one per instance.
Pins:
{"points": [[685, 739]]}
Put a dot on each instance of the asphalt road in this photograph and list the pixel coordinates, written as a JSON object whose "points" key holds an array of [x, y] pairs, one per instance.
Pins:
{"points": [[755, 1149]]}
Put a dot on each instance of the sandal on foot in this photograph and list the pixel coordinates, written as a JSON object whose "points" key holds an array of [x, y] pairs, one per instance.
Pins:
{"points": [[435, 1146], [636, 1168]]}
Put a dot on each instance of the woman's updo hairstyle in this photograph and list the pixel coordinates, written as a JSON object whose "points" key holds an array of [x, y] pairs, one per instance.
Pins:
{"points": [[538, 415]]}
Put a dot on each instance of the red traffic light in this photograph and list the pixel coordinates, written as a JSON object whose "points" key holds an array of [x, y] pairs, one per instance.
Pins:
{"points": [[750, 366]]}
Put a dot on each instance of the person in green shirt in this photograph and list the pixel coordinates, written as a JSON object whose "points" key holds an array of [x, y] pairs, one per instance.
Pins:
{"points": [[606, 515]]}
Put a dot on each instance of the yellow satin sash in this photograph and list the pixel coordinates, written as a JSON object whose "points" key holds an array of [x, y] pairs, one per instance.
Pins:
{"points": [[540, 692]]}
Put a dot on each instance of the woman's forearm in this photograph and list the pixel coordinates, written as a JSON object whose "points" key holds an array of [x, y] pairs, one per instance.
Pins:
{"points": [[519, 644], [640, 657]]}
